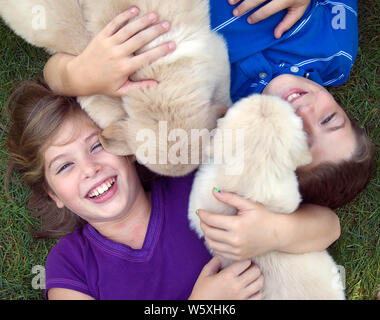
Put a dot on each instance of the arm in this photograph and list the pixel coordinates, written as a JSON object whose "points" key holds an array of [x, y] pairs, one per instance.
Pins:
{"points": [[105, 65], [296, 9], [255, 230], [310, 228], [67, 294], [239, 281]]}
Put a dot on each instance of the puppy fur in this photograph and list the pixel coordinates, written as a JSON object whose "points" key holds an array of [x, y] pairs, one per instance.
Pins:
{"points": [[193, 80], [263, 170]]}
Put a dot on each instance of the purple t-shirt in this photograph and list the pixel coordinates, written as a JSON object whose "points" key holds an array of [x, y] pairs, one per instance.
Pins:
{"points": [[166, 267]]}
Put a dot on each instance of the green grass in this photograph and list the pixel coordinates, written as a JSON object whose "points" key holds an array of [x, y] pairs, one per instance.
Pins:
{"points": [[357, 250]]}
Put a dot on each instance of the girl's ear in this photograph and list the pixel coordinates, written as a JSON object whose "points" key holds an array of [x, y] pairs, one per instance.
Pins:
{"points": [[54, 197]]}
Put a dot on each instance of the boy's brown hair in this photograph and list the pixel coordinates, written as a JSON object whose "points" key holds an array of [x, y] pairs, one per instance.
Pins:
{"points": [[334, 185]]}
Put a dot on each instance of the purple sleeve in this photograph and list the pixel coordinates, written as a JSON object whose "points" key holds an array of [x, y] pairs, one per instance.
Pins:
{"points": [[65, 266]]}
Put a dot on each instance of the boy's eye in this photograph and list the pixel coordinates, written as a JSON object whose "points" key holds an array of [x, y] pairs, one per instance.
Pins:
{"points": [[329, 118]]}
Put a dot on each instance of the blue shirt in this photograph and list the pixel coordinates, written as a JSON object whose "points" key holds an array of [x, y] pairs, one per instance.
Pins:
{"points": [[323, 43]]}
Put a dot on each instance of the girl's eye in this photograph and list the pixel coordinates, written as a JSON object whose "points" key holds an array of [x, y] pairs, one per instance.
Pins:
{"points": [[97, 145], [329, 118], [64, 167]]}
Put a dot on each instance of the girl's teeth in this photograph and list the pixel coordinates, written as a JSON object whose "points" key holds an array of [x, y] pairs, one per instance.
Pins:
{"points": [[103, 188]]}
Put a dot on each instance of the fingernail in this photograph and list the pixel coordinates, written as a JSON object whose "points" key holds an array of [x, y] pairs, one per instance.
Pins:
{"points": [[133, 10], [251, 20], [165, 25], [235, 12], [152, 16], [217, 190], [197, 212], [172, 45]]}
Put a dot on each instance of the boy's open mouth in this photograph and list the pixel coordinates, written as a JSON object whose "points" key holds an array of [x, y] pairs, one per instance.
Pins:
{"points": [[293, 94]]}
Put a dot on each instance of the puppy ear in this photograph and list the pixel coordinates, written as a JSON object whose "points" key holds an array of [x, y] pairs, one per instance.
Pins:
{"points": [[221, 110], [114, 138]]}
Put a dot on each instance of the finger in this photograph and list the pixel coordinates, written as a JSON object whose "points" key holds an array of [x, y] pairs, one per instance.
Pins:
{"points": [[219, 247], [118, 22], [233, 1], [150, 56], [234, 200], [289, 20], [228, 256], [266, 11], [257, 296], [246, 6], [133, 85], [212, 267], [214, 233], [250, 275], [255, 287], [144, 37], [134, 27], [216, 220], [238, 267]]}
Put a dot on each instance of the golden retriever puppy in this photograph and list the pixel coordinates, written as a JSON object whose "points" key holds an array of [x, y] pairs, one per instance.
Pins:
{"points": [[255, 151], [193, 80]]}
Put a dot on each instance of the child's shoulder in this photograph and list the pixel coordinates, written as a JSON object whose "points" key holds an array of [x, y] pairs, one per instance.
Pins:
{"points": [[71, 245], [66, 264]]}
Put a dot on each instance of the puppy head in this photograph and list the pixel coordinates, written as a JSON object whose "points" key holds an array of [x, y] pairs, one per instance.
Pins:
{"points": [[114, 139], [273, 132], [162, 150]]}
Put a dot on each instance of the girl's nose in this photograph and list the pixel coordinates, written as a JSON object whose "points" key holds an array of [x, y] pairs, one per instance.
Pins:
{"points": [[90, 168]]}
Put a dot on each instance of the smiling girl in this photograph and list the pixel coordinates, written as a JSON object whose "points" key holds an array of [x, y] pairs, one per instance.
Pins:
{"points": [[119, 240]]}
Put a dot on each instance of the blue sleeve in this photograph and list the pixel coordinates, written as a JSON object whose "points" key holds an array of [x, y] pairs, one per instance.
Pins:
{"points": [[323, 44]]}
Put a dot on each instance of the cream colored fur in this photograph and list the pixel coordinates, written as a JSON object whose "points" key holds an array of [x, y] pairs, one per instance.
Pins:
{"points": [[274, 146], [194, 79]]}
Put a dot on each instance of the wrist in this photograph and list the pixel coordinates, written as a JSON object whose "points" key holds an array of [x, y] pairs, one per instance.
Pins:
{"points": [[283, 230], [75, 79]]}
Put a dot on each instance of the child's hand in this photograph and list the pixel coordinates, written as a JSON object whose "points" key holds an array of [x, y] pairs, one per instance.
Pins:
{"points": [[105, 65], [296, 9], [239, 281], [249, 233]]}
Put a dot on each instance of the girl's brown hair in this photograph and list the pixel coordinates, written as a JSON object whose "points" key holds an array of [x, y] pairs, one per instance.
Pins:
{"points": [[36, 113]]}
